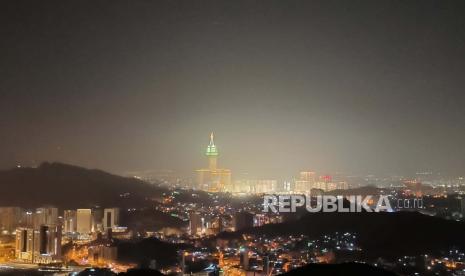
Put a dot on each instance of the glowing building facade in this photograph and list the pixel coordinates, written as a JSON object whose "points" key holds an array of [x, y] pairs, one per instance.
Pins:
{"points": [[255, 186], [9, 219], [84, 221], [110, 218], [212, 178], [305, 183], [70, 221], [41, 245], [308, 181]]}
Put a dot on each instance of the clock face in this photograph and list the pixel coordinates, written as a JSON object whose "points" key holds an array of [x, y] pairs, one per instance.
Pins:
{"points": [[211, 150]]}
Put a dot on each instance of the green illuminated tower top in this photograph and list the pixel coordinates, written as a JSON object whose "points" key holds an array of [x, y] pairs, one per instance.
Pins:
{"points": [[211, 149]]}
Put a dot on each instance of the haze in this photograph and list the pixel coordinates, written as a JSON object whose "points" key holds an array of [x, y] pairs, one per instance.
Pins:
{"points": [[354, 86]]}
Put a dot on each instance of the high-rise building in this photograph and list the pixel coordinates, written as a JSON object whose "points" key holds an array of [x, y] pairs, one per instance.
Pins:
{"points": [[110, 218], [84, 221], [27, 218], [45, 216], [10, 218], [242, 220], [256, 186], [100, 254], [266, 265], [305, 183], [195, 223], [97, 220], [325, 182], [244, 258], [70, 221], [39, 245], [212, 178], [24, 244], [462, 207], [50, 240]]}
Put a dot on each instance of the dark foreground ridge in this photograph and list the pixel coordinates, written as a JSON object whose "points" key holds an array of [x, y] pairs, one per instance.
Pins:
{"points": [[340, 270], [345, 269], [386, 235]]}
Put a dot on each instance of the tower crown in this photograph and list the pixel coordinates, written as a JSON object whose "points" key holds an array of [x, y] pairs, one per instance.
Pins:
{"points": [[211, 149]]}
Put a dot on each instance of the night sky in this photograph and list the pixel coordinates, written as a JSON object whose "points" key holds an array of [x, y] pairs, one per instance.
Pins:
{"points": [[350, 86]]}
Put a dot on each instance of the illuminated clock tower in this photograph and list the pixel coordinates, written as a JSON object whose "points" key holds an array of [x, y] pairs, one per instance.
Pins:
{"points": [[213, 179], [212, 154]]}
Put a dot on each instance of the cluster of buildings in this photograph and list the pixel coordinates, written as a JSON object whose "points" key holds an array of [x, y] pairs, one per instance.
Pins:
{"points": [[220, 216], [304, 184], [254, 186], [308, 181], [214, 179], [39, 234], [84, 222], [264, 255], [204, 224], [261, 255], [39, 245]]}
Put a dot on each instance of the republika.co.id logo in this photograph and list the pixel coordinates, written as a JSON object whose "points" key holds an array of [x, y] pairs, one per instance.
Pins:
{"points": [[341, 204]]}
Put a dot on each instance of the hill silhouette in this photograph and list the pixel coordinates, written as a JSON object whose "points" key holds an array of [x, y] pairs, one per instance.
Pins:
{"points": [[67, 186], [143, 251], [386, 235], [339, 270]]}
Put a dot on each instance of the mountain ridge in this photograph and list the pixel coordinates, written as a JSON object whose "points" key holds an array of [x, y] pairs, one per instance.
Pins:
{"points": [[69, 186]]}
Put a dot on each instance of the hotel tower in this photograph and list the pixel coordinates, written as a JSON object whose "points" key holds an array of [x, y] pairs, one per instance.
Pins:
{"points": [[213, 179]]}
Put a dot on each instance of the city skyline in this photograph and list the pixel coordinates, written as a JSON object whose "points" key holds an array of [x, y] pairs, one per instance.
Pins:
{"points": [[280, 175]]}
